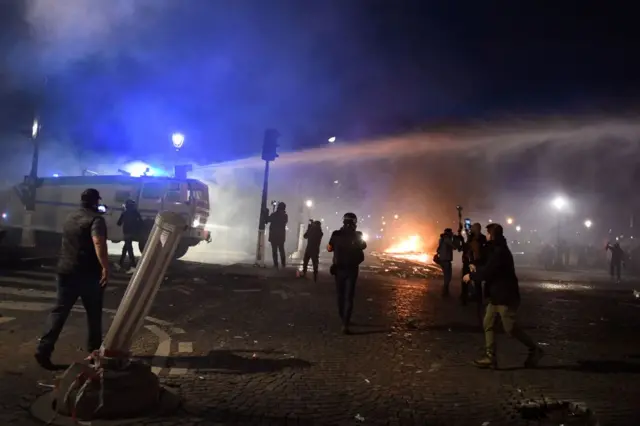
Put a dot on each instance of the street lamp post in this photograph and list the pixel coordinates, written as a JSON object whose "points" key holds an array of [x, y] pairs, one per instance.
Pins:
{"points": [[559, 203], [177, 139]]}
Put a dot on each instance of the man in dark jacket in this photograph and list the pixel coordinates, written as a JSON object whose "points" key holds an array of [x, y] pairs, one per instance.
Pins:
{"points": [[445, 257], [313, 235], [504, 298], [131, 223], [347, 246], [278, 233], [82, 271]]}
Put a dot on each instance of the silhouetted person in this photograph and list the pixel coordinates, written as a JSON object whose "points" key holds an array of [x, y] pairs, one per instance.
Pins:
{"points": [[347, 246], [502, 290], [617, 260], [131, 223], [445, 257], [472, 250], [278, 233], [313, 235], [82, 271]]}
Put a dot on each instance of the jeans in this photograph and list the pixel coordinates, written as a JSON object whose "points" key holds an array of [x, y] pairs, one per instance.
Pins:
{"points": [[127, 249], [345, 290], [275, 248], [511, 328], [464, 287], [70, 288], [447, 272]]}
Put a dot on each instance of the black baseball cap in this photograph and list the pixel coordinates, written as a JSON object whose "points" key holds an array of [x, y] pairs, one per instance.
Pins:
{"points": [[90, 196]]}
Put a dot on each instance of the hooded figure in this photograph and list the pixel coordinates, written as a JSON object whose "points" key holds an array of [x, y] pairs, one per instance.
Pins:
{"points": [[278, 233], [312, 251]]}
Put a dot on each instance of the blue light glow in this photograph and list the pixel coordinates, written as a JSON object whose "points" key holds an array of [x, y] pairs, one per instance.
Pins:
{"points": [[56, 175], [4, 215], [139, 168]]}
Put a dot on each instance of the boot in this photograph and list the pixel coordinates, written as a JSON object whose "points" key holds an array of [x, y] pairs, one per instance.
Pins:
{"points": [[315, 276], [489, 360], [533, 358]]}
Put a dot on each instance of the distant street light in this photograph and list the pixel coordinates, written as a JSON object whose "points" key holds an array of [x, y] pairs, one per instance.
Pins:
{"points": [[518, 229], [559, 203], [332, 139], [588, 223], [178, 140], [395, 216], [509, 221], [35, 128], [309, 203], [336, 182]]}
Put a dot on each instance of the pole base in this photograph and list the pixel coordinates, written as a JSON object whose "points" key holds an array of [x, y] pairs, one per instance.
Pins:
{"points": [[127, 396]]}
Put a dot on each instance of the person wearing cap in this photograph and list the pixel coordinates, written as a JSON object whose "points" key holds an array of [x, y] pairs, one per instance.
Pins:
{"points": [[347, 246], [503, 294], [82, 272]]}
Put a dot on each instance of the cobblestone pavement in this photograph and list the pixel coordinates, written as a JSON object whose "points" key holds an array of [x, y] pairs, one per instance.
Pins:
{"points": [[252, 346]]}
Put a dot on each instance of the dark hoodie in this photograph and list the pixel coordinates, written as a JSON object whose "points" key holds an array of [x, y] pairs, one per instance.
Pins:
{"points": [[499, 273], [278, 226], [314, 238]]}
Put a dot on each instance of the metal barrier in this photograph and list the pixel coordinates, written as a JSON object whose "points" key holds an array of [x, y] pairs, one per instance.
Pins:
{"points": [[141, 291]]}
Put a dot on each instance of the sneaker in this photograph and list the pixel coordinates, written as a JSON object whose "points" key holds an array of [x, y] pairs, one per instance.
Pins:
{"points": [[131, 270], [487, 361], [534, 358]]}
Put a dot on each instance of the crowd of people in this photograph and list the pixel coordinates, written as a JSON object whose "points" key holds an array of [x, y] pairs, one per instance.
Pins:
{"points": [[489, 278]]}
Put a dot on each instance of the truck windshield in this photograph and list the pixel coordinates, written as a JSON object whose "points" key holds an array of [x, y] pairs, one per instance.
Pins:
{"points": [[199, 194]]}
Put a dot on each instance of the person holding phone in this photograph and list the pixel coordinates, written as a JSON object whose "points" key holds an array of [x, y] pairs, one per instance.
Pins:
{"points": [[82, 272]]}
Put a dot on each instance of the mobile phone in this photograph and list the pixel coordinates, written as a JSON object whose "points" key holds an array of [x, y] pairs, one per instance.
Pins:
{"points": [[102, 208], [467, 224]]}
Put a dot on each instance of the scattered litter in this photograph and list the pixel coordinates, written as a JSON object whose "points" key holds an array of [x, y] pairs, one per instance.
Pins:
{"points": [[290, 325], [371, 300], [434, 367], [419, 371], [46, 385], [198, 280], [237, 337], [254, 356], [486, 423], [407, 334], [543, 343], [171, 304], [255, 342], [201, 377], [449, 329], [636, 294], [359, 418], [367, 381]]}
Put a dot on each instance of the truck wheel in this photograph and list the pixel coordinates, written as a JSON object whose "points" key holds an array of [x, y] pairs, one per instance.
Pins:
{"points": [[181, 250]]}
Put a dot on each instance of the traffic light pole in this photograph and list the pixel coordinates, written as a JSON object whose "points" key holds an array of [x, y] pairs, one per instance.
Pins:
{"points": [[263, 218]]}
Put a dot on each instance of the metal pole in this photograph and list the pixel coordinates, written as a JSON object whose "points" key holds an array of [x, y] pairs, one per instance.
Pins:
{"points": [[262, 221], [144, 284], [28, 234]]}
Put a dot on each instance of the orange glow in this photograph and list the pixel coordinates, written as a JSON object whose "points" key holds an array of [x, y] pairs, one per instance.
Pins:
{"points": [[411, 248]]}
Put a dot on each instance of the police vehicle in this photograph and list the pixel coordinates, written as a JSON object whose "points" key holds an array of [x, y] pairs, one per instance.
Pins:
{"points": [[57, 196]]}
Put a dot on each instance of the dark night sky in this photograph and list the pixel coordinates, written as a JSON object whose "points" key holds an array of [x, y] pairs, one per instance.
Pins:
{"points": [[128, 73]]}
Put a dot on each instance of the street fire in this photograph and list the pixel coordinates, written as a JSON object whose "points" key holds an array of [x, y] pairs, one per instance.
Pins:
{"points": [[411, 249]]}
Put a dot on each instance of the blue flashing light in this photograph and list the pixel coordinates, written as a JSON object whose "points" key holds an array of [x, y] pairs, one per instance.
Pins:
{"points": [[139, 168], [56, 175]]}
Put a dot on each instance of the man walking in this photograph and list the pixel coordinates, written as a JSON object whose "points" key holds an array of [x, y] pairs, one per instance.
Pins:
{"points": [[504, 298], [313, 235], [131, 223], [617, 260], [347, 246], [82, 272]]}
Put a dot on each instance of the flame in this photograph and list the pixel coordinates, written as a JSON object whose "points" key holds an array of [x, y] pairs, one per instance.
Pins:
{"points": [[412, 244], [410, 249]]}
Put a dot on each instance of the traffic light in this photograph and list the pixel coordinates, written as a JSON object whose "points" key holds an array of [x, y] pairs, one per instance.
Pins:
{"points": [[270, 145]]}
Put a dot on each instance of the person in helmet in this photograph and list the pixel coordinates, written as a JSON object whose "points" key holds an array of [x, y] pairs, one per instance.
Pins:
{"points": [[131, 223], [347, 246], [82, 272], [278, 233], [313, 235]]}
